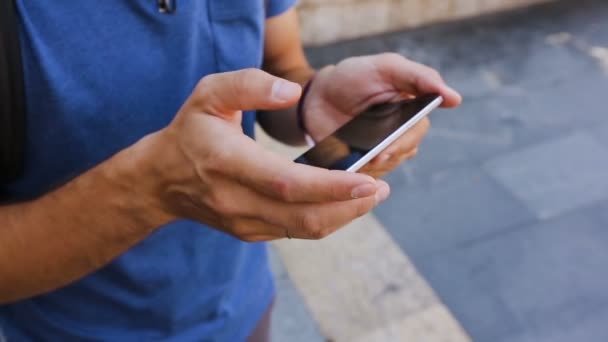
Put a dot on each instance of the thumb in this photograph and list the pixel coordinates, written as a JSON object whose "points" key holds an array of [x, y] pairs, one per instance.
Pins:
{"points": [[226, 93]]}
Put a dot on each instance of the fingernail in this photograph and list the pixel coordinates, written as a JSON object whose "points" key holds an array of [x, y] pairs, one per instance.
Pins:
{"points": [[386, 157], [383, 192], [284, 91], [364, 190]]}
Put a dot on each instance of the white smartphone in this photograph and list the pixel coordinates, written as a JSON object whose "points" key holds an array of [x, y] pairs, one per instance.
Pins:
{"points": [[364, 137]]}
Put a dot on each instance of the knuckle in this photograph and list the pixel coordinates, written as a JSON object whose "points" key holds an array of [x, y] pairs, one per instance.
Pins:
{"points": [[239, 230], [222, 205], [204, 85], [282, 186], [317, 234], [322, 234], [227, 224], [311, 225], [203, 91]]}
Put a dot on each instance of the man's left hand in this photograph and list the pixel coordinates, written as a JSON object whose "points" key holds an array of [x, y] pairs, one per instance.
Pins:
{"points": [[342, 91]]}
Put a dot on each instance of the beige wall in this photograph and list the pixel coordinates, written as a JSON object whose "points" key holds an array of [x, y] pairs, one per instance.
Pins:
{"points": [[325, 21]]}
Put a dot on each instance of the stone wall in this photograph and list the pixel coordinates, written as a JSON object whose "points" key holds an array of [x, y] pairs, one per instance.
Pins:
{"points": [[326, 21]]}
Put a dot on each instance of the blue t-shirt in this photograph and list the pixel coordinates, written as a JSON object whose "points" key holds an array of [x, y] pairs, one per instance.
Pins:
{"points": [[99, 76]]}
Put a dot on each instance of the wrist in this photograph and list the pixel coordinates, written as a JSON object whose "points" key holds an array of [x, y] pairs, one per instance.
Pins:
{"points": [[137, 182]]}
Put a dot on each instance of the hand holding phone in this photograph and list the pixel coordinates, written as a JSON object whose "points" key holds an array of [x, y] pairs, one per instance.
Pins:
{"points": [[364, 137]]}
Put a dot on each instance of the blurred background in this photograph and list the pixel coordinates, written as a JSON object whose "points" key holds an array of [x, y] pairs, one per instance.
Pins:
{"points": [[498, 230]]}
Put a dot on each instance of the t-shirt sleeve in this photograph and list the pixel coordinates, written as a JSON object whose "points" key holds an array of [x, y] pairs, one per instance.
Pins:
{"points": [[276, 7]]}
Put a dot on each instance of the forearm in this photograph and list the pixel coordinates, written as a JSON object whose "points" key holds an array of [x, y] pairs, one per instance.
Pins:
{"points": [[283, 125], [51, 241]]}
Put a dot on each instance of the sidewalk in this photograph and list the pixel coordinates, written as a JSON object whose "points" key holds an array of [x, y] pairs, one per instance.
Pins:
{"points": [[505, 211]]}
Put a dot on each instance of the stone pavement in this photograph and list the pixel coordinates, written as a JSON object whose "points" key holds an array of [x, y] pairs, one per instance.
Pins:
{"points": [[505, 211]]}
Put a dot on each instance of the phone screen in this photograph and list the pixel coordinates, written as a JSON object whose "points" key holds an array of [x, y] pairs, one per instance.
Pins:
{"points": [[361, 135]]}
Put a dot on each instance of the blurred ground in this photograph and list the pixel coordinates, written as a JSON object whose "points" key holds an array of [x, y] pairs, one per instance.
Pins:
{"points": [[505, 211]]}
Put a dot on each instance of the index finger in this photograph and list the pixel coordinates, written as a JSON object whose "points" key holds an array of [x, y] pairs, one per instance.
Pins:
{"points": [[285, 180], [411, 76]]}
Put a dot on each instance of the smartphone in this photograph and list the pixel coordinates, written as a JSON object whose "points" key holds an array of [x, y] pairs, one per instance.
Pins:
{"points": [[364, 137]]}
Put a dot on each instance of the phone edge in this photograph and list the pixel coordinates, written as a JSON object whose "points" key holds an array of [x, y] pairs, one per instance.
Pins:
{"points": [[395, 135]]}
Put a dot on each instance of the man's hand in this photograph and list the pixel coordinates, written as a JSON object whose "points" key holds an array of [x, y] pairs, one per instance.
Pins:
{"points": [[201, 167], [211, 172], [340, 92]]}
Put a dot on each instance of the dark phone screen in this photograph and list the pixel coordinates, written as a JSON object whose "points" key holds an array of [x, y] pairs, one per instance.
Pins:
{"points": [[359, 136]]}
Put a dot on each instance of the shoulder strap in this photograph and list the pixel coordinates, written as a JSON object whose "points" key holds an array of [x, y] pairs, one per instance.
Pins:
{"points": [[12, 96]]}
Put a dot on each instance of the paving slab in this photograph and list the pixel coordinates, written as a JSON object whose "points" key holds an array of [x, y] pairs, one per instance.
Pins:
{"points": [[452, 207], [601, 134], [432, 324], [601, 211], [545, 280], [589, 329], [556, 176]]}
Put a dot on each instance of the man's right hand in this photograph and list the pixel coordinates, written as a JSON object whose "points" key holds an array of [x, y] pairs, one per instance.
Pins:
{"points": [[205, 169], [201, 167]]}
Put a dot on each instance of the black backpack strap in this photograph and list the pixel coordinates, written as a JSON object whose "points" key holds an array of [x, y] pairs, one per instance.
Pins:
{"points": [[12, 95]]}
